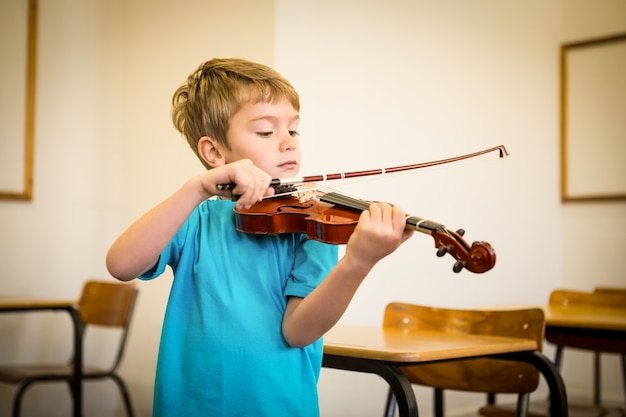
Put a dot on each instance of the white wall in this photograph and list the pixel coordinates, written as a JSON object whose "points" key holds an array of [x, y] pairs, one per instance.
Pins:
{"points": [[588, 259], [382, 84], [51, 245]]}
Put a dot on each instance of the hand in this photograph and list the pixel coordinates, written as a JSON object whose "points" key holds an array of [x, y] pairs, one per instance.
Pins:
{"points": [[380, 231], [248, 183]]}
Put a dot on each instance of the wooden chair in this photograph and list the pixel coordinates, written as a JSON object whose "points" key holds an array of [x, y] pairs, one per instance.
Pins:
{"points": [[482, 375], [107, 304]]}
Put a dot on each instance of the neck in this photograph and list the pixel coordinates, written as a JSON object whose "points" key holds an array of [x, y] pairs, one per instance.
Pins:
{"points": [[413, 222]]}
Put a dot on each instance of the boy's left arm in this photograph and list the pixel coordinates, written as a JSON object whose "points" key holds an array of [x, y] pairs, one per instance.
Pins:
{"points": [[380, 231]]}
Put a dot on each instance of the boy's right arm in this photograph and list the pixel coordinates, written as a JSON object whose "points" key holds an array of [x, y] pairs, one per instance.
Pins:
{"points": [[138, 248]]}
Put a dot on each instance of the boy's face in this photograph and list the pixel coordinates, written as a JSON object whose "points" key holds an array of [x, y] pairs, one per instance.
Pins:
{"points": [[266, 133]]}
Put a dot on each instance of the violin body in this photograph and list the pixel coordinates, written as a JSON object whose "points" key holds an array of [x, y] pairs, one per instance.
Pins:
{"points": [[333, 217], [320, 221]]}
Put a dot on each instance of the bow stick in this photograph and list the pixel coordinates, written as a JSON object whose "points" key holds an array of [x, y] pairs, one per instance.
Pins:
{"points": [[279, 183]]}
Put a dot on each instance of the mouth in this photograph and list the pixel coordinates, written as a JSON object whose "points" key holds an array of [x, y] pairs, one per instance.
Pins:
{"points": [[289, 165]]}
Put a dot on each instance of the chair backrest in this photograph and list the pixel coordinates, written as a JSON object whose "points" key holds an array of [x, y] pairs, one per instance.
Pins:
{"points": [[108, 304], [600, 297], [616, 290], [476, 375]]}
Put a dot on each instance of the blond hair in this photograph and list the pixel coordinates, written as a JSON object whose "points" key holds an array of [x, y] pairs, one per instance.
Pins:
{"points": [[205, 104]]}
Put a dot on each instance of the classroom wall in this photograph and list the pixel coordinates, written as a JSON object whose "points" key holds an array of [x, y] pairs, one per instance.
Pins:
{"points": [[52, 244], [588, 259], [382, 84]]}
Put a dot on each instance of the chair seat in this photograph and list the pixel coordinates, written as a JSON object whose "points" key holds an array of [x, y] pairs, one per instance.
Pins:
{"points": [[18, 373]]}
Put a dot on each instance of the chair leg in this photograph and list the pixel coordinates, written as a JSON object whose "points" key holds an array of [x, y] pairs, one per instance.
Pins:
{"points": [[17, 399], [438, 402], [558, 357], [125, 395], [624, 377], [523, 401], [390, 406], [596, 378]]}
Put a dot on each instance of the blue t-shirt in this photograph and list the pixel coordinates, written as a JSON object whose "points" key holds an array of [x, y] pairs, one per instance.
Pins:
{"points": [[222, 351]]}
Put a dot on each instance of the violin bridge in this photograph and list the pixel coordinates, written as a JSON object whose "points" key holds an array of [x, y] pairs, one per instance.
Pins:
{"points": [[306, 192]]}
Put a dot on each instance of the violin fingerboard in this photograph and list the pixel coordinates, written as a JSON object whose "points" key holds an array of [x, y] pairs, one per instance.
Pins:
{"points": [[344, 201], [416, 223], [423, 225]]}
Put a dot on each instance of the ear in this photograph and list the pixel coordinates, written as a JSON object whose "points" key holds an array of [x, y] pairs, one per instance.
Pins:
{"points": [[209, 151]]}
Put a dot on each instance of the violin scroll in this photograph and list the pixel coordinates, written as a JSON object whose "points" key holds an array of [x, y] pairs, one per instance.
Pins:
{"points": [[478, 258]]}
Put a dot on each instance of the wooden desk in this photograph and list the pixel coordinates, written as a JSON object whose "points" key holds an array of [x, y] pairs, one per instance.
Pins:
{"points": [[593, 328], [8, 305], [587, 327], [383, 351]]}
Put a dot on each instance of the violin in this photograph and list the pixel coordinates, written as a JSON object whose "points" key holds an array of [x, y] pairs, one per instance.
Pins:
{"points": [[332, 217]]}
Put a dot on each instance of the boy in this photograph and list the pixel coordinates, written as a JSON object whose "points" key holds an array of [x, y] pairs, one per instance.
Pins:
{"points": [[246, 313]]}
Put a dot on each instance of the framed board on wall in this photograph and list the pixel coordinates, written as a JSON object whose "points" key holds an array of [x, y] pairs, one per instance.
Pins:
{"points": [[593, 119], [18, 47]]}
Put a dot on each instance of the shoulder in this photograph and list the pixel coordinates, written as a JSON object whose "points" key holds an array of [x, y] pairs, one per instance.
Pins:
{"points": [[213, 207]]}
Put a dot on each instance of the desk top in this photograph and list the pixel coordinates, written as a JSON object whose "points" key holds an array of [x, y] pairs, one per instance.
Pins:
{"points": [[587, 317], [14, 304], [392, 345]]}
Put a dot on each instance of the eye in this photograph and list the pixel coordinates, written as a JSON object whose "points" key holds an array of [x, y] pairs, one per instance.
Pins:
{"points": [[293, 133], [265, 134]]}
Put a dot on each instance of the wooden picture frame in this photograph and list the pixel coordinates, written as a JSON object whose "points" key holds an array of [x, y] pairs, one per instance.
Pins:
{"points": [[18, 49], [593, 119]]}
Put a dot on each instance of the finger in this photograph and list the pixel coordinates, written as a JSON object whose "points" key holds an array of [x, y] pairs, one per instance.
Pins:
{"points": [[399, 217], [407, 234], [384, 214], [374, 212], [255, 185], [270, 191]]}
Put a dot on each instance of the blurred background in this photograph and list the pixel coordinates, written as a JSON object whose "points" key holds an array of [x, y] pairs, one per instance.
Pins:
{"points": [[382, 83]]}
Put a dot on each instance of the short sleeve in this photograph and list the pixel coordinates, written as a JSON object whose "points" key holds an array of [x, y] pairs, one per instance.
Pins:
{"points": [[313, 261], [170, 254]]}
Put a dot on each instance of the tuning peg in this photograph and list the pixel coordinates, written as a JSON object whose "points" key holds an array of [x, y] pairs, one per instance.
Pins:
{"points": [[458, 266], [442, 251], [460, 232]]}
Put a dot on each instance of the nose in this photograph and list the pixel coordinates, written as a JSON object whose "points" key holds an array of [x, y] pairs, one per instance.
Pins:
{"points": [[288, 142]]}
